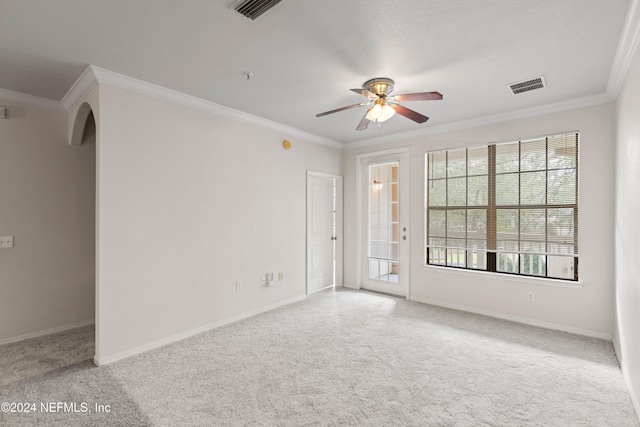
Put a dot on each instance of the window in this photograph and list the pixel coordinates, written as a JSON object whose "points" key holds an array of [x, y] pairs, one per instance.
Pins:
{"points": [[509, 208], [384, 233]]}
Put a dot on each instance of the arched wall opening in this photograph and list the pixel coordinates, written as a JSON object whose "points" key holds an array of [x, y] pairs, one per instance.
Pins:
{"points": [[84, 126]]}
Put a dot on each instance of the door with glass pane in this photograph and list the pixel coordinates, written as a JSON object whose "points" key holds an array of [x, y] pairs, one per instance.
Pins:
{"points": [[386, 233]]}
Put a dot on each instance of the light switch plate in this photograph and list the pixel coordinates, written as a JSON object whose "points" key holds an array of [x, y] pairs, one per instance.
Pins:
{"points": [[6, 242]]}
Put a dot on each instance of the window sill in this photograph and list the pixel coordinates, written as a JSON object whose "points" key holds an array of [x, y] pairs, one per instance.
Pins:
{"points": [[525, 280]]}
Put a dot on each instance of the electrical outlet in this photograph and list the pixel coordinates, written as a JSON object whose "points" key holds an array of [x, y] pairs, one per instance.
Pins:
{"points": [[268, 279], [6, 241], [238, 286], [531, 297], [280, 277]]}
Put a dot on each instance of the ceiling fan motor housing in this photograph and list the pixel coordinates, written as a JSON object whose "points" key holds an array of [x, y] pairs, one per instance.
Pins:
{"points": [[381, 86]]}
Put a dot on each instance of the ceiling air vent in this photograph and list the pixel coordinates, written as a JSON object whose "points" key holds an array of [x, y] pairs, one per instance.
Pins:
{"points": [[527, 85], [252, 9]]}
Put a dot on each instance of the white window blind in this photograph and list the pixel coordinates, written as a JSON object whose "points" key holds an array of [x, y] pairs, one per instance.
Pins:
{"points": [[510, 208]]}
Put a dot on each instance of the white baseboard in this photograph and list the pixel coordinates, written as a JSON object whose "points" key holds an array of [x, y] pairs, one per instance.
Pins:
{"points": [[100, 361], [635, 398], [616, 349], [324, 289], [518, 319], [49, 331]]}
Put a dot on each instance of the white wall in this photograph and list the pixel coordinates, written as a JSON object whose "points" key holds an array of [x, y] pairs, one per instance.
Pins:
{"points": [[47, 203], [627, 228], [189, 203], [587, 310]]}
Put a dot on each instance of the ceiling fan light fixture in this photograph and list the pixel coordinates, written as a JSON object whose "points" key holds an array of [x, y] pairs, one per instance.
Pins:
{"points": [[373, 113], [387, 113], [380, 112]]}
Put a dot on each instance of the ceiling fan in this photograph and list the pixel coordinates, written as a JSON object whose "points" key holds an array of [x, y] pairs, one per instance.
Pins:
{"points": [[385, 106]]}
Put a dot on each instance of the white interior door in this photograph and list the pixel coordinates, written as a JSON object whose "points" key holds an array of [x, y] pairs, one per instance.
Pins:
{"points": [[384, 224], [321, 232]]}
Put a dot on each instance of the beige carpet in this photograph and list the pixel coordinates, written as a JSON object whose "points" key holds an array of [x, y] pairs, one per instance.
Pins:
{"points": [[339, 358]]}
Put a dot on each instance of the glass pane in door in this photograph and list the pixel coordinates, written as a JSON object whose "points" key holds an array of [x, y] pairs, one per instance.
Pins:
{"points": [[384, 216]]}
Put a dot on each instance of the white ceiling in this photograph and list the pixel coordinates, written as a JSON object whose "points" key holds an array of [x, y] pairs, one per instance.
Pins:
{"points": [[305, 55]]}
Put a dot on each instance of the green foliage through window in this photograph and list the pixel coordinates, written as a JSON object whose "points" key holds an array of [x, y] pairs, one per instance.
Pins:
{"points": [[510, 208]]}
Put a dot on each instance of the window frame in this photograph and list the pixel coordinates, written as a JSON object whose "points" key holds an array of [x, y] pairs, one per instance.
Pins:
{"points": [[493, 254]]}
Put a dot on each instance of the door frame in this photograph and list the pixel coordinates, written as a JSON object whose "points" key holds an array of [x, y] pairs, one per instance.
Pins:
{"points": [[338, 262], [362, 162]]}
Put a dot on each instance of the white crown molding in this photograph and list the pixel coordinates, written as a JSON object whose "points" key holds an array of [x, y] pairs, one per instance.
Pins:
{"points": [[93, 75], [29, 100], [626, 47], [80, 88], [574, 104], [146, 88]]}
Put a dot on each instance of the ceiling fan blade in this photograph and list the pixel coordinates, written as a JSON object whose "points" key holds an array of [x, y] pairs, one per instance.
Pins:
{"points": [[409, 114], [420, 96], [364, 122], [348, 107], [365, 93]]}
